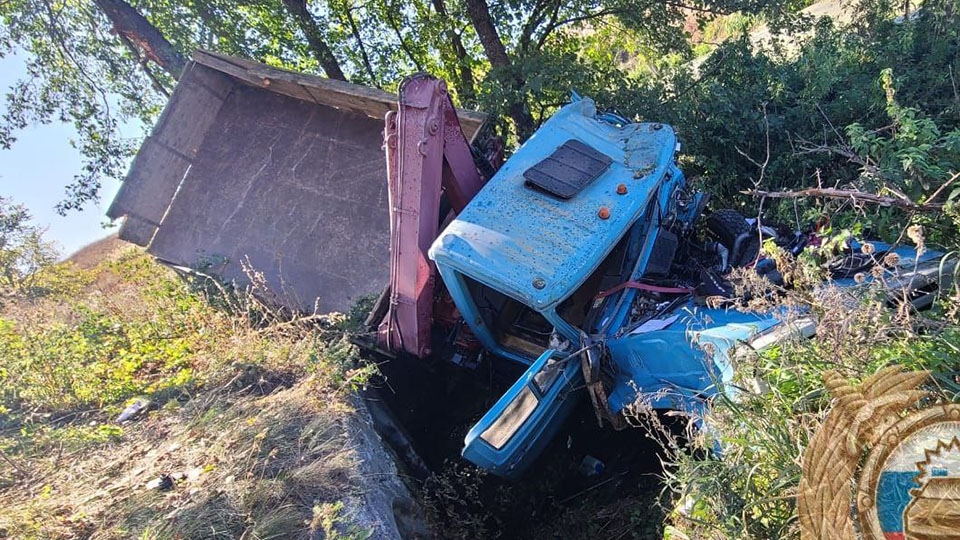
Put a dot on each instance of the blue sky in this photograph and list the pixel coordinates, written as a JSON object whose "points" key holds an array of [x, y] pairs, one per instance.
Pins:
{"points": [[38, 167]]}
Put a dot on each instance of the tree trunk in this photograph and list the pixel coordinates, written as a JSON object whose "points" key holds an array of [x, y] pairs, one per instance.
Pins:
{"points": [[521, 116], [348, 11], [496, 52], [136, 29], [307, 24], [388, 15], [464, 71], [479, 14]]}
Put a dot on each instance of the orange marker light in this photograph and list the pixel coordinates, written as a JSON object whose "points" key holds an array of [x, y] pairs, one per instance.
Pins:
{"points": [[604, 212]]}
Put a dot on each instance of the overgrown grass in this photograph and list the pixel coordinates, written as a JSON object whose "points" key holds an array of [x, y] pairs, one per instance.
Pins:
{"points": [[248, 410], [136, 329]]}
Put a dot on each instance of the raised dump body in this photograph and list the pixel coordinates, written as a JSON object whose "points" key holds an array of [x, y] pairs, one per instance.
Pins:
{"points": [[283, 171]]}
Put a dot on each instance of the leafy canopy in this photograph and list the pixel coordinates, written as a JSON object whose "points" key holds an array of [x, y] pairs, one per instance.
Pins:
{"points": [[97, 72]]}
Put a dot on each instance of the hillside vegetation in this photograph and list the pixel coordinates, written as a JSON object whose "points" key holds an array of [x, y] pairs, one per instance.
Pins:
{"points": [[246, 427], [847, 130]]}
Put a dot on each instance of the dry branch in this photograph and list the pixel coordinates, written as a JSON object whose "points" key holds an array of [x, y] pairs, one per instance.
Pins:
{"points": [[850, 194]]}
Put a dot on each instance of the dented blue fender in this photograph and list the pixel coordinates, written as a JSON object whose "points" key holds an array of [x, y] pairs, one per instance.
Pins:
{"points": [[684, 364]]}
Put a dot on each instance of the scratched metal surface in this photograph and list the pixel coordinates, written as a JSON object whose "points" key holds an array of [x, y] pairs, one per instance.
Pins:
{"points": [[511, 235], [296, 188]]}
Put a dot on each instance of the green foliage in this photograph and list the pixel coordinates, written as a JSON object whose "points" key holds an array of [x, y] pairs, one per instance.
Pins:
{"points": [[451, 499], [24, 254], [910, 155], [338, 361], [825, 112], [77, 73], [871, 107], [328, 518], [255, 410], [100, 355], [747, 491], [154, 334], [96, 361], [86, 71]]}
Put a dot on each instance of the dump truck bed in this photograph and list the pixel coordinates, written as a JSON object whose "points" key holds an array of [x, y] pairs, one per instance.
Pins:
{"points": [[250, 164]]}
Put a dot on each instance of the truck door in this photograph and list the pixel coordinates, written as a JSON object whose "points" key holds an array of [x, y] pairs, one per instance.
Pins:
{"points": [[518, 427]]}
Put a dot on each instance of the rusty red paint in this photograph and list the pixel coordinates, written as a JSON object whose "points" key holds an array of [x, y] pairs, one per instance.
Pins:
{"points": [[427, 155]]}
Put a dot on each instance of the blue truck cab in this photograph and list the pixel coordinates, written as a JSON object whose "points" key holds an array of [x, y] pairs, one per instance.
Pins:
{"points": [[517, 248], [524, 264], [566, 262]]}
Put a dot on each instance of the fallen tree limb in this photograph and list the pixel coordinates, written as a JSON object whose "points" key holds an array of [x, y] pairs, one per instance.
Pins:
{"points": [[852, 195], [901, 201]]}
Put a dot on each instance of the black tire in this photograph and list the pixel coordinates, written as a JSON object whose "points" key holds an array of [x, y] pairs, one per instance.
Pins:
{"points": [[727, 225]]}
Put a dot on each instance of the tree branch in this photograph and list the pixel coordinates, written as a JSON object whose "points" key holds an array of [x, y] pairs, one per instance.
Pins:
{"points": [[554, 24], [953, 83], [154, 80], [467, 90], [703, 77], [496, 52], [311, 30], [550, 28], [58, 36], [681, 5], [943, 187], [479, 13], [766, 161], [136, 29], [851, 195], [537, 15], [348, 11], [403, 42]]}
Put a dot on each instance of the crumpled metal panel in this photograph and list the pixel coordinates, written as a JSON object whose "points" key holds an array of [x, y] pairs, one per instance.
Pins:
{"points": [[681, 365]]}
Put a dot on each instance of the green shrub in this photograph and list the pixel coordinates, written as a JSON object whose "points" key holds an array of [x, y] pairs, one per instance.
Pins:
{"points": [[151, 332]]}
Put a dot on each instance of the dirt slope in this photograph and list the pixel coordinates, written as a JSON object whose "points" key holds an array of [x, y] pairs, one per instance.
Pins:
{"points": [[92, 254]]}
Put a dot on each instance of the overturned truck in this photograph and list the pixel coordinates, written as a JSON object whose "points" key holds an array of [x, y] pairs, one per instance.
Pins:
{"points": [[582, 257]]}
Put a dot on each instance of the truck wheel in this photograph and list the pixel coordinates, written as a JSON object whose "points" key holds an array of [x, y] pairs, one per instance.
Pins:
{"points": [[727, 225]]}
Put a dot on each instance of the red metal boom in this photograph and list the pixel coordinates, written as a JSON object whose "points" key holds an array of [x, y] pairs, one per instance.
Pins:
{"points": [[427, 156]]}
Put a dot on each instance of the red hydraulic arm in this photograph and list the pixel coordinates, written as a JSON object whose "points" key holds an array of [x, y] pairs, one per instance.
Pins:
{"points": [[427, 155]]}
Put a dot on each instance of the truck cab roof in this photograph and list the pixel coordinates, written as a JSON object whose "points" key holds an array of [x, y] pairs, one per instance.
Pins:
{"points": [[538, 247]]}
